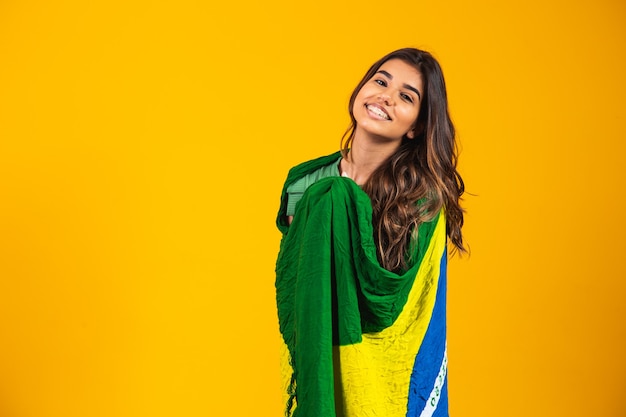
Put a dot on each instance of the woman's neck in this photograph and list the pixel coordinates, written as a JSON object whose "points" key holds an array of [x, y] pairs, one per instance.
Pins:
{"points": [[365, 157]]}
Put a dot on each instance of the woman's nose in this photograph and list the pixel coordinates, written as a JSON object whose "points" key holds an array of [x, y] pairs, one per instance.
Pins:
{"points": [[385, 98]]}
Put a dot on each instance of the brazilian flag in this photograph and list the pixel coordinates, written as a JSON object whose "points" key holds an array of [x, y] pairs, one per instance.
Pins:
{"points": [[358, 340]]}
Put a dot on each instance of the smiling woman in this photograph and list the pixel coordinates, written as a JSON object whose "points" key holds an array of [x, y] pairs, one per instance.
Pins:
{"points": [[387, 106], [361, 273]]}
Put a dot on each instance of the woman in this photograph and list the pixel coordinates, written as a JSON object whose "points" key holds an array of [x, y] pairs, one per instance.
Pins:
{"points": [[361, 272]]}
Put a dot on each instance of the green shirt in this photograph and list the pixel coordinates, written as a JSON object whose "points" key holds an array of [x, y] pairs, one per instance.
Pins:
{"points": [[297, 189]]}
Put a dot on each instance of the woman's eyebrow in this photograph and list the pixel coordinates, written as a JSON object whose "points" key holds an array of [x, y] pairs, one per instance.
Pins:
{"points": [[410, 87], [407, 86], [386, 74]]}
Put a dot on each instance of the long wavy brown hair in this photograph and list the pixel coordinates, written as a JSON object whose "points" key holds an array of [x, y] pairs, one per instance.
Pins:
{"points": [[421, 177]]}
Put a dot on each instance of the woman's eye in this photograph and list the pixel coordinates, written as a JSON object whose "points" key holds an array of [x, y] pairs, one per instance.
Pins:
{"points": [[406, 97], [381, 82]]}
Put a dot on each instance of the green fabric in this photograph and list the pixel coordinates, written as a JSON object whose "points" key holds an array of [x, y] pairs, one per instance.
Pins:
{"points": [[295, 174], [297, 189], [330, 288]]}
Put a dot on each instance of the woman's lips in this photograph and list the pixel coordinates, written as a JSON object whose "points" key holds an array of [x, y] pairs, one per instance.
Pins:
{"points": [[377, 111]]}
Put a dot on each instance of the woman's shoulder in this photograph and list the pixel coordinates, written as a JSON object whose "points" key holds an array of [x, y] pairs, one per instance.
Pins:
{"points": [[312, 165], [304, 175]]}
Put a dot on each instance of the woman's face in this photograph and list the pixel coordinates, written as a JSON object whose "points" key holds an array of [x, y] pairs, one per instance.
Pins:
{"points": [[388, 104]]}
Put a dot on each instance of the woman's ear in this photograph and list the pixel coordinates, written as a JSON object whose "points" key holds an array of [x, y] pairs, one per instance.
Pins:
{"points": [[415, 130]]}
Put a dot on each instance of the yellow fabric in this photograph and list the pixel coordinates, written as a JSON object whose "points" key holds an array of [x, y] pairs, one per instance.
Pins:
{"points": [[372, 377]]}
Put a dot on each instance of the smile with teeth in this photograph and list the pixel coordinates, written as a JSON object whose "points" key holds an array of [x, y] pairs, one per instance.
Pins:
{"points": [[378, 111]]}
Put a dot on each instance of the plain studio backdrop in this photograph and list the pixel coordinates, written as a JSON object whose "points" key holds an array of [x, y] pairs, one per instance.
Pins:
{"points": [[143, 147]]}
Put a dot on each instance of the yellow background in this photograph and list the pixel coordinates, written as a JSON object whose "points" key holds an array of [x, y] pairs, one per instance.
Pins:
{"points": [[143, 146]]}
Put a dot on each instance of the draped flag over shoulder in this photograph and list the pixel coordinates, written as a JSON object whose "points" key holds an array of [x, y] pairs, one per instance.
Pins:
{"points": [[358, 340]]}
